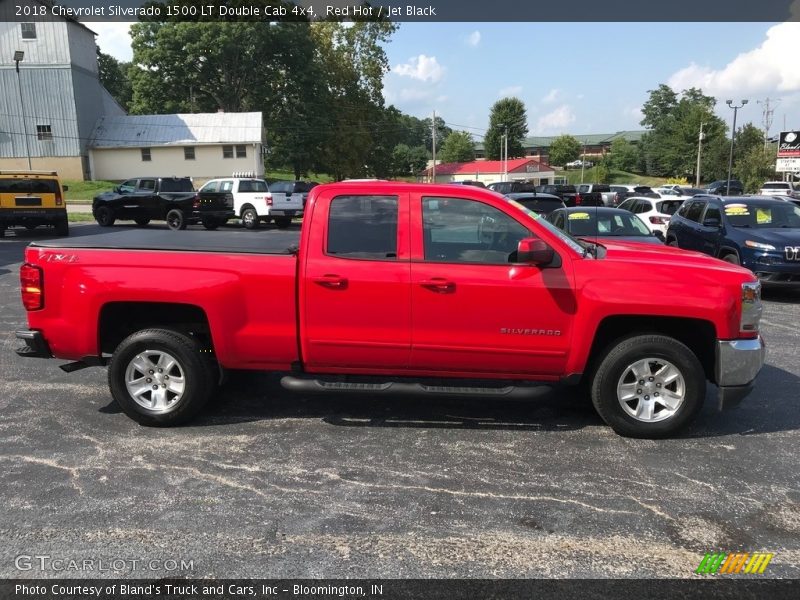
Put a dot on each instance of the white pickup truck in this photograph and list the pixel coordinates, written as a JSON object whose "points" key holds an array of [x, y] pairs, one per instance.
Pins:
{"points": [[780, 188], [253, 201]]}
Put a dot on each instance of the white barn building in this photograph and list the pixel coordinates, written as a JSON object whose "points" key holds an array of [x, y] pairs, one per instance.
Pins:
{"points": [[201, 145]]}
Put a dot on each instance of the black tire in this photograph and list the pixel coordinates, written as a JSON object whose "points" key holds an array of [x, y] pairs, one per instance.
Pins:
{"points": [[250, 219], [176, 220], [283, 222], [732, 258], [672, 242], [62, 227], [199, 378], [142, 221], [210, 223], [616, 365], [104, 216], [30, 226]]}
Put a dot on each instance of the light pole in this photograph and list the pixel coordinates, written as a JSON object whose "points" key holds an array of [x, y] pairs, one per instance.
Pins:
{"points": [[505, 153], [18, 56], [733, 139], [699, 151]]}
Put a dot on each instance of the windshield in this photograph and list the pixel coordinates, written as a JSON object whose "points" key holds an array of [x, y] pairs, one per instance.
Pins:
{"points": [[763, 216], [606, 224], [562, 235]]}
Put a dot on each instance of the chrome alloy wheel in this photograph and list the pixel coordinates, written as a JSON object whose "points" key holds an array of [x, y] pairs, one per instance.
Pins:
{"points": [[651, 390], [155, 380]]}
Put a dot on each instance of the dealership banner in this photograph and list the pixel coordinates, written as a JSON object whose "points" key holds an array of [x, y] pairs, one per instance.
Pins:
{"points": [[789, 144]]}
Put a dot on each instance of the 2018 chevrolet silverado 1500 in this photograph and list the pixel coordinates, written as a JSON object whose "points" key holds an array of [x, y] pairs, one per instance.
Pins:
{"points": [[170, 199], [394, 287]]}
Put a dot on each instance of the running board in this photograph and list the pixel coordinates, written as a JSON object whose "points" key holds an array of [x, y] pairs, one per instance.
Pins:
{"points": [[308, 385]]}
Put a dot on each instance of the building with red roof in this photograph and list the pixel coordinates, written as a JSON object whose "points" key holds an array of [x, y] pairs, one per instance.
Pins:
{"points": [[491, 171]]}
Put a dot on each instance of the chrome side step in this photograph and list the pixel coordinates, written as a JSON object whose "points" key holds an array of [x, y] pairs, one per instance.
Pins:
{"points": [[314, 385]]}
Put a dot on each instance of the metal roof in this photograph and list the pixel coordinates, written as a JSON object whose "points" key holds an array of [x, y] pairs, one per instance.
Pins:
{"points": [[140, 131], [592, 139]]}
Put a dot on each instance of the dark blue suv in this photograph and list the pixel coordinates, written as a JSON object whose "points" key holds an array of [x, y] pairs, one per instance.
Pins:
{"points": [[758, 233]]}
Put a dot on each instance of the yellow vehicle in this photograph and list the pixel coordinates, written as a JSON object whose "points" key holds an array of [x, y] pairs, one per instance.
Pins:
{"points": [[32, 198]]}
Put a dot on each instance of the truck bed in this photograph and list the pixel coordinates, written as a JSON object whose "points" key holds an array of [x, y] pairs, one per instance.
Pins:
{"points": [[237, 241]]}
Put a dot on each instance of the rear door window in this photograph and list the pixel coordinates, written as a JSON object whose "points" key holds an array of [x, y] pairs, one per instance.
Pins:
{"points": [[694, 210], [211, 186], [147, 185], [363, 227]]}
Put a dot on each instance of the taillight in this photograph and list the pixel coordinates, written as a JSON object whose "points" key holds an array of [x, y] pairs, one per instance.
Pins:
{"points": [[59, 198], [269, 199], [31, 286], [577, 199], [659, 220], [196, 203], [616, 199]]}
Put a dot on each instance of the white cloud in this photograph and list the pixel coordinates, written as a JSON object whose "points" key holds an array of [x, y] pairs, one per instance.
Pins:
{"points": [[113, 38], [556, 120], [424, 68], [551, 96], [771, 67], [512, 90], [635, 112], [474, 38]]}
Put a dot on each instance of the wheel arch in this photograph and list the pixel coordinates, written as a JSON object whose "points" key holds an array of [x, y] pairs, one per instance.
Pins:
{"points": [[118, 320], [698, 334]]}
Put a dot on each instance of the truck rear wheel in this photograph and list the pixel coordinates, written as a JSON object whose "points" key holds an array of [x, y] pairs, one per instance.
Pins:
{"points": [[176, 220], [104, 216], [160, 378], [649, 386]]}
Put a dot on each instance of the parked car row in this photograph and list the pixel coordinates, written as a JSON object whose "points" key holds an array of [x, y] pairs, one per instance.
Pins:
{"points": [[174, 200]]}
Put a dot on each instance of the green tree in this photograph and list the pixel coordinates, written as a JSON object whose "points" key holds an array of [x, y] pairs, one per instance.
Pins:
{"points": [[457, 147], [602, 174], [747, 137], [409, 161], [564, 149], [670, 147], [442, 131], [354, 63], [114, 77], [623, 156], [756, 167], [509, 115]]}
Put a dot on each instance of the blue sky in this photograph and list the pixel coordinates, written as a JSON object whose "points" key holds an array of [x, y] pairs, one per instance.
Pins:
{"points": [[577, 77]]}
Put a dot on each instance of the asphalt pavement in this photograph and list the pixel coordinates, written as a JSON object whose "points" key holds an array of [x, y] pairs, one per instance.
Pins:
{"points": [[272, 484]]}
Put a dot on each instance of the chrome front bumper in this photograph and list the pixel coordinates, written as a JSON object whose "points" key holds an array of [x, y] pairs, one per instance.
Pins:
{"points": [[736, 366]]}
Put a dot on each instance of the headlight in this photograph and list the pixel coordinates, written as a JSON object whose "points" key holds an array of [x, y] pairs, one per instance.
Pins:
{"points": [[751, 307], [758, 245]]}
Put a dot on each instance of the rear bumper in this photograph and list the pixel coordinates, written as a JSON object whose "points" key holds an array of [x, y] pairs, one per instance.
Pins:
{"points": [[35, 344], [736, 367], [285, 213], [21, 216], [223, 214]]}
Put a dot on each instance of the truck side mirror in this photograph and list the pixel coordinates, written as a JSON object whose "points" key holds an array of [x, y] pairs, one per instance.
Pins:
{"points": [[65, 188], [534, 251]]}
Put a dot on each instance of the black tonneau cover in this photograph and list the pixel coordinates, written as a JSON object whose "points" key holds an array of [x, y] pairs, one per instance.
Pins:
{"points": [[235, 241]]}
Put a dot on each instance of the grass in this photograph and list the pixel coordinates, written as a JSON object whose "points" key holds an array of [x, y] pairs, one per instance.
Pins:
{"points": [[271, 176], [85, 190], [80, 217], [589, 176]]}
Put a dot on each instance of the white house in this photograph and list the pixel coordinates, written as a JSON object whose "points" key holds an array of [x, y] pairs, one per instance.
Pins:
{"points": [[201, 145]]}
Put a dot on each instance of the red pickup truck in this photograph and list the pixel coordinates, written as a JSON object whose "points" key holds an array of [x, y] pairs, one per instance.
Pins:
{"points": [[398, 288]]}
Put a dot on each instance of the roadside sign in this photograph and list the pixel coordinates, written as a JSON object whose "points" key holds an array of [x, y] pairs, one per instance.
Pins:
{"points": [[784, 165], [789, 145]]}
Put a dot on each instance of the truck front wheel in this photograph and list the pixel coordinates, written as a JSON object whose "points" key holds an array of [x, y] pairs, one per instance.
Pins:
{"points": [[104, 216], [160, 378], [649, 386]]}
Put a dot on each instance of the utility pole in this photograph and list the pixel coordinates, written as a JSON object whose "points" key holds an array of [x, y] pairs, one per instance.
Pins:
{"points": [[505, 154], [433, 144], [699, 151], [766, 118], [18, 56], [583, 159]]}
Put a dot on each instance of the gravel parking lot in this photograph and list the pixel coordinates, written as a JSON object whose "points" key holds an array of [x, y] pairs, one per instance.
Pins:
{"points": [[271, 484]]}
